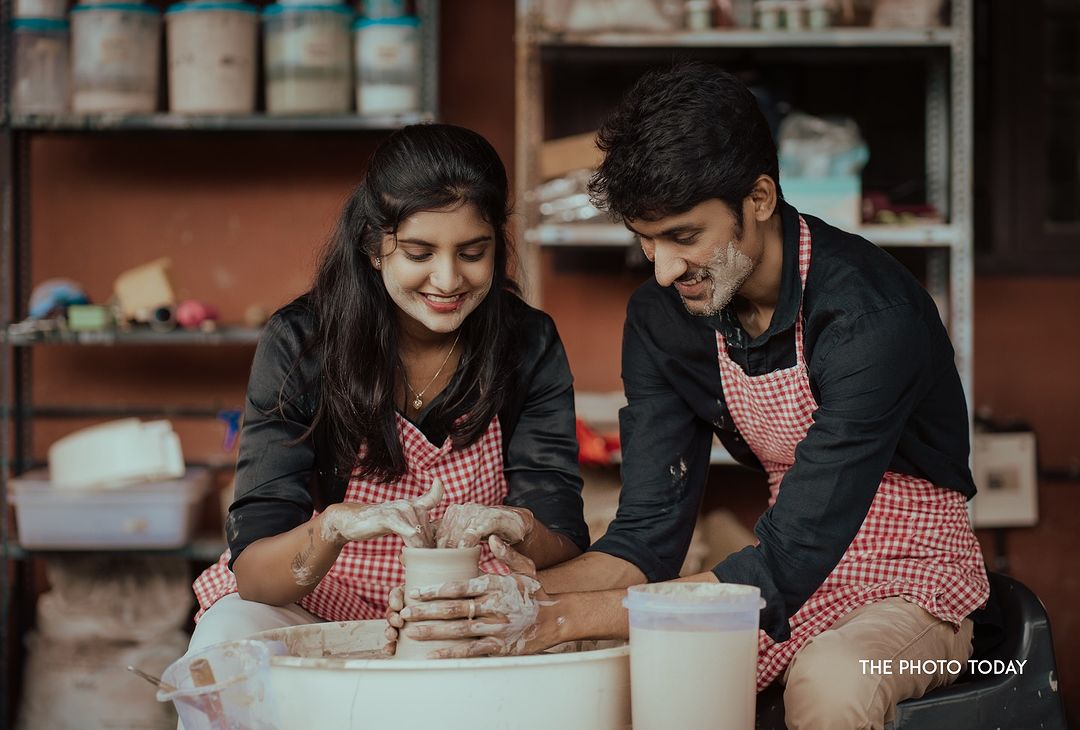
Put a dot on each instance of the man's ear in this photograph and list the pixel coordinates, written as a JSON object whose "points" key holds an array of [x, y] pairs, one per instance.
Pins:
{"points": [[763, 198]]}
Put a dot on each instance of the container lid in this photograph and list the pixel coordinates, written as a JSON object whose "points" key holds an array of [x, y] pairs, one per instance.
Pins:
{"points": [[694, 598], [279, 9], [199, 5], [39, 24], [409, 21], [125, 7]]}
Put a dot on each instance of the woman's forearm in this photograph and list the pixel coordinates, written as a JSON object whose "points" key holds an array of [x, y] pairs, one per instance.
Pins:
{"points": [[284, 568]]}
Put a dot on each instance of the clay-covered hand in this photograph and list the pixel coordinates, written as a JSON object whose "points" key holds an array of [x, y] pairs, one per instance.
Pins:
{"points": [[498, 611], [466, 525], [349, 521]]}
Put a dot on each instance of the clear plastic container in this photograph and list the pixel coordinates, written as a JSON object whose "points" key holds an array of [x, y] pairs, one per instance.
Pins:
{"points": [[40, 82], [240, 695], [376, 9], [388, 65], [685, 636], [115, 53], [154, 515], [212, 48], [56, 9], [307, 57]]}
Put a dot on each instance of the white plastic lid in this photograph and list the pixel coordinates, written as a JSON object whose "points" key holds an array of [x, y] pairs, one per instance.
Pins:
{"points": [[695, 598]]}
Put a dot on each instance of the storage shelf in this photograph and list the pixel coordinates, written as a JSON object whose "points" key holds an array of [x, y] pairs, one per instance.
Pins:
{"points": [[601, 411], [917, 236], [833, 38], [188, 123], [221, 336], [204, 549]]}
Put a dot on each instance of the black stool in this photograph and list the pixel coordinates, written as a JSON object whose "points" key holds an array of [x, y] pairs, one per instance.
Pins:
{"points": [[1014, 701]]}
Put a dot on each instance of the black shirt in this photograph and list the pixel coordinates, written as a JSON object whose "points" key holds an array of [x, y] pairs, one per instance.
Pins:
{"points": [[889, 398], [279, 484]]}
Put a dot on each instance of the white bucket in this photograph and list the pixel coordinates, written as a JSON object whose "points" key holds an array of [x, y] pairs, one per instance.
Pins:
{"points": [[687, 636], [307, 58], [115, 49], [318, 687], [212, 57]]}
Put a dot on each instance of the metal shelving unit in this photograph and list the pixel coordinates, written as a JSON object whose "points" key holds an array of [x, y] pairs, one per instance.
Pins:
{"points": [[232, 335], [948, 134], [183, 123], [16, 408]]}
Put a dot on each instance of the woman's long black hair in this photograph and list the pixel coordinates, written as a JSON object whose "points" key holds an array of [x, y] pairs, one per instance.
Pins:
{"points": [[419, 168]]}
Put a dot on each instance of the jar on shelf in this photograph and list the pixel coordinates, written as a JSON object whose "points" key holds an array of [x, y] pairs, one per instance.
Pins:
{"points": [[794, 15], [115, 53], [699, 15], [211, 57], [55, 9], [307, 58], [376, 9], [768, 14], [41, 59], [818, 14], [388, 65]]}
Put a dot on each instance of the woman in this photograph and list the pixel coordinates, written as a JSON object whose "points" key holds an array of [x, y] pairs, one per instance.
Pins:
{"points": [[410, 397]]}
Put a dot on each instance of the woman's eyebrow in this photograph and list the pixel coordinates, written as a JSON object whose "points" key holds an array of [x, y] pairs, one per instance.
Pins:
{"points": [[463, 244]]}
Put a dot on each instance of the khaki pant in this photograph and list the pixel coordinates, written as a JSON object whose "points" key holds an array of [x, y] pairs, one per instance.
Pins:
{"points": [[828, 688]]}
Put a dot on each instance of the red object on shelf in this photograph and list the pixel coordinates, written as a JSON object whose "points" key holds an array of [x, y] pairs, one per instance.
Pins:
{"points": [[595, 449]]}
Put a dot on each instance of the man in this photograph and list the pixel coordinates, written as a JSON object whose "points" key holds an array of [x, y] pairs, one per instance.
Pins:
{"points": [[814, 356]]}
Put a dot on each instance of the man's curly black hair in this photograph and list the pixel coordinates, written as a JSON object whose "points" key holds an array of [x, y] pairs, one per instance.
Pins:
{"points": [[679, 137]]}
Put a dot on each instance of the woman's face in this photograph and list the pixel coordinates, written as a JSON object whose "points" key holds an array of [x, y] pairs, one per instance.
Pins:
{"points": [[440, 267]]}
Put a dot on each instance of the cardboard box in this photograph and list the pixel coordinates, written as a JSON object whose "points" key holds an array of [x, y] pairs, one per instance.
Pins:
{"points": [[835, 200], [561, 156]]}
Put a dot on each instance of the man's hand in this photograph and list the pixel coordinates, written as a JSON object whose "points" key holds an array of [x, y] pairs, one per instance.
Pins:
{"points": [[349, 521], [466, 525], [499, 612]]}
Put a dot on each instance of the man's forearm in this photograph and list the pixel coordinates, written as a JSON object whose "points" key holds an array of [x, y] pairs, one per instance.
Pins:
{"points": [[591, 572]]}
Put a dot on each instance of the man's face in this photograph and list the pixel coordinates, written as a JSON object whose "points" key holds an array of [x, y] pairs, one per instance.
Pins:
{"points": [[703, 253]]}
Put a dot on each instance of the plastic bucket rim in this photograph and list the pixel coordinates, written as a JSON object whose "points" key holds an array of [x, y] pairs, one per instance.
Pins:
{"points": [[263, 661]]}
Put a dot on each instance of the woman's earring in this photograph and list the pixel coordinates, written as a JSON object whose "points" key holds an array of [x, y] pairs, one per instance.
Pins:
{"points": [[378, 262]]}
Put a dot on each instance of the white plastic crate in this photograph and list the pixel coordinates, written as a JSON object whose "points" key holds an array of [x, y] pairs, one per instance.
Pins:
{"points": [[153, 515]]}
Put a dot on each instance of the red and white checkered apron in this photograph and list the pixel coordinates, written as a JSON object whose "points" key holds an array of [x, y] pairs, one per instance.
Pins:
{"points": [[916, 541], [357, 585]]}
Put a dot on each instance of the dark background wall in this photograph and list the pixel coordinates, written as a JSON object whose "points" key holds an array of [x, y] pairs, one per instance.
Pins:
{"points": [[242, 217]]}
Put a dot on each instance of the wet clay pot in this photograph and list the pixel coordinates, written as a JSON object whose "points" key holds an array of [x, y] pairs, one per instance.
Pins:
{"points": [[431, 566]]}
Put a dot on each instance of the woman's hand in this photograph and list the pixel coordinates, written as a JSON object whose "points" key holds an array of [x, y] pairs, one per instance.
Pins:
{"points": [[466, 525], [349, 521], [499, 612]]}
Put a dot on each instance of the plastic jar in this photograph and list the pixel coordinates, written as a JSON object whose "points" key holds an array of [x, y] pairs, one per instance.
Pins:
{"points": [[685, 636], [40, 9], [375, 9], [40, 83], [115, 51], [212, 57], [307, 58], [768, 14], [387, 65]]}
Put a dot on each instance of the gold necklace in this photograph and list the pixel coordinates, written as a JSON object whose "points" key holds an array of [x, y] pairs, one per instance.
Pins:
{"points": [[418, 398]]}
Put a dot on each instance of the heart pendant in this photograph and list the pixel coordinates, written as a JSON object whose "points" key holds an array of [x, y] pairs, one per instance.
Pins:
{"points": [[417, 403]]}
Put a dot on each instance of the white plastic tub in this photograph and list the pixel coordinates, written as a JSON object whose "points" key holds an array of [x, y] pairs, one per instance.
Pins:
{"points": [[115, 49], [212, 57], [40, 82], [317, 688], [388, 64], [308, 58], [157, 515]]}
